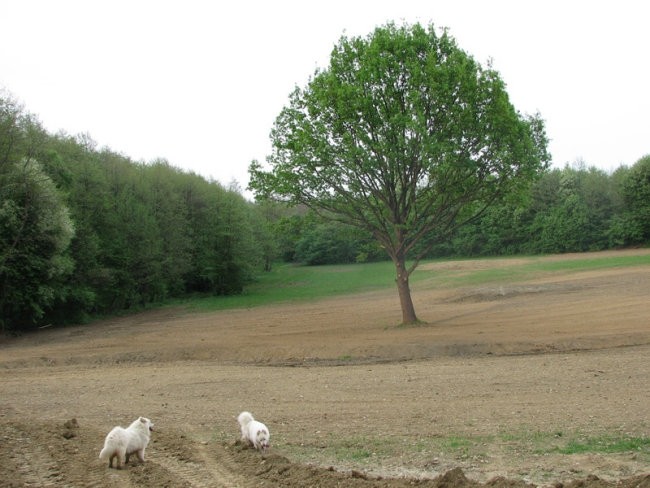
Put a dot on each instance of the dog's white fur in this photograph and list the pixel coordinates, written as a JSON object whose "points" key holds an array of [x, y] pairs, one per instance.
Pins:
{"points": [[254, 432], [120, 443]]}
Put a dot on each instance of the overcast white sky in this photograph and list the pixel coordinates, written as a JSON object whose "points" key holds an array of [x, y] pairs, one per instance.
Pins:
{"points": [[200, 83]]}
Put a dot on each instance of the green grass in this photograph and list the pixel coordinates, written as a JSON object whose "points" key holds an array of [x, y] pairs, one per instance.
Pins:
{"points": [[541, 443], [589, 263], [371, 450], [293, 283], [536, 266], [606, 445]]}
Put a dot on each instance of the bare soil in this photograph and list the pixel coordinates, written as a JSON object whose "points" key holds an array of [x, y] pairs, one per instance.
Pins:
{"points": [[485, 392]]}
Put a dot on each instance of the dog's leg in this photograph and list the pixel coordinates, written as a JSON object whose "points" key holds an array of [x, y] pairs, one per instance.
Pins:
{"points": [[122, 459]]}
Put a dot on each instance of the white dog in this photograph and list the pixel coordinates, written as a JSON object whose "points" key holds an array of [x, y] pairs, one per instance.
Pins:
{"points": [[254, 432], [121, 442]]}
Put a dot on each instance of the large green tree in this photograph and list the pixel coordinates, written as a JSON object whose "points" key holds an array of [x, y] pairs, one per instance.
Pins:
{"points": [[405, 135], [35, 225], [35, 231]]}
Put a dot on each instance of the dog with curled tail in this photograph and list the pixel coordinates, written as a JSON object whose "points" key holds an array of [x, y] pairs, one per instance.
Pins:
{"points": [[120, 443], [253, 432]]}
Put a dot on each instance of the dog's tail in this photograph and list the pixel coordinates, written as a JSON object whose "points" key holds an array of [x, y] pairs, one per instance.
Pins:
{"points": [[244, 418], [105, 453]]}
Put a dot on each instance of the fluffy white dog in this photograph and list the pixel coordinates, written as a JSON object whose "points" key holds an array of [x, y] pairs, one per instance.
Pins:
{"points": [[121, 442], [254, 432]]}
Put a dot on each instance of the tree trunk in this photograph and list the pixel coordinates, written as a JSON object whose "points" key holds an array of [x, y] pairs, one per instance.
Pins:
{"points": [[408, 310]]}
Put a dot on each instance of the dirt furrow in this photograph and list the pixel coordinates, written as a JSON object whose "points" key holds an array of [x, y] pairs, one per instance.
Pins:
{"points": [[219, 461], [196, 464]]}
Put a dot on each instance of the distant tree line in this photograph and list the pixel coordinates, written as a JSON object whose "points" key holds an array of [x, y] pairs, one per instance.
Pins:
{"points": [[573, 209], [85, 231]]}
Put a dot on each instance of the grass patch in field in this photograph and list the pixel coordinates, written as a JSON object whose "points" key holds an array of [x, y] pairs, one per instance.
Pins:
{"points": [[535, 266], [367, 449], [461, 447], [606, 445], [381, 451], [594, 263], [479, 277], [537, 442], [294, 283], [361, 448]]}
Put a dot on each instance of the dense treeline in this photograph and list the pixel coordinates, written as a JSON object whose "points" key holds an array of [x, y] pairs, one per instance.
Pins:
{"points": [[574, 209], [86, 231]]}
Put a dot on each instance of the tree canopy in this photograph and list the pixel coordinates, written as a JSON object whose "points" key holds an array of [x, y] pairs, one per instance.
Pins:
{"points": [[404, 135]]}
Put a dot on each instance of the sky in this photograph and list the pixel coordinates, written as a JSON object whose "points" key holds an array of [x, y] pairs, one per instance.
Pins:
{"points": [[200, 83]]}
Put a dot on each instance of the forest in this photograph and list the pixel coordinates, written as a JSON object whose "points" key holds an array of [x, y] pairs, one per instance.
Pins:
{"points": [[87, 232]]}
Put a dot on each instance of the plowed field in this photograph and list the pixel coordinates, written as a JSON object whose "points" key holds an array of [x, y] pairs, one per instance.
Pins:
{"points": [[542, 380]]}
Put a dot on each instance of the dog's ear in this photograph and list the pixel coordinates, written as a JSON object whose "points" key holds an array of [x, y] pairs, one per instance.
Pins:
{"points": [[143, 420]]}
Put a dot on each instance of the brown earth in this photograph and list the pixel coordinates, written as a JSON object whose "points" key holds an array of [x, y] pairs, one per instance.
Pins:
{"points": [[486, 392]]}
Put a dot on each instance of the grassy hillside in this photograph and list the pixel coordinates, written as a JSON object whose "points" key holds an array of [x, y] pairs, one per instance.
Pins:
{"points": [[287, 283]]}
